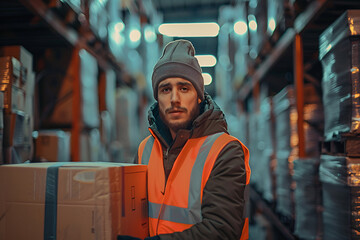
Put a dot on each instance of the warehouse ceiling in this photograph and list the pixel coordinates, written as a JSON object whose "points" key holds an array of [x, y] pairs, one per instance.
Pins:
{"points": [[19, 25], [190, 10]]}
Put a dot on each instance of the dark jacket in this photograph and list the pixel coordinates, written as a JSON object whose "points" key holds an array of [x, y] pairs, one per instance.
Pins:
{"points": [[223, 197]]}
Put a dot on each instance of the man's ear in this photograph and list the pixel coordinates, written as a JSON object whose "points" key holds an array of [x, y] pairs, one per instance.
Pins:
{"points": [[199, 100]]}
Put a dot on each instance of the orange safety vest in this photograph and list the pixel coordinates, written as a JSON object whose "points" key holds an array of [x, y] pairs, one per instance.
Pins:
{"points": [[177, 206]]}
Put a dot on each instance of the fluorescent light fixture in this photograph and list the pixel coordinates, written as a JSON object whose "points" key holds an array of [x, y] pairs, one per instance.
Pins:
{"points": [[240, 27], [116, 32], [207, 78], [206, 60], [252, 23], [135, 35], [209, 29], [271, 25], [119, 26]]}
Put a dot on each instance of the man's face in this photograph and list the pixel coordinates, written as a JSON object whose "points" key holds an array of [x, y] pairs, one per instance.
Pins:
{"points": [[178, 103]]}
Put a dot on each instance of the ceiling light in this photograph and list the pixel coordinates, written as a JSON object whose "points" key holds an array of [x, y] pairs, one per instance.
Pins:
{"points": [[206, 60], [210, 29], [135, 35], [252, 22], [271, 25], [149, 35], [207, 78], [240, 27]]}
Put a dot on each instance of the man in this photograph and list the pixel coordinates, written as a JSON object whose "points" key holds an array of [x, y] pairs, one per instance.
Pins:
{"points": [[197, 172]]}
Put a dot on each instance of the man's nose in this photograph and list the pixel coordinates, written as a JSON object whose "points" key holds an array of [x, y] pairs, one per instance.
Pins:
{"points": [[175, 97]]}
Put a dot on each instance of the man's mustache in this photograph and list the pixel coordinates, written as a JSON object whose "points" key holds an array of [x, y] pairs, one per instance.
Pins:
{"points": [[175, 109]]}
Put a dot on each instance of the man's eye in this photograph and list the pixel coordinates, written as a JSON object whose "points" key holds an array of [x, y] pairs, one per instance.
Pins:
{"points": [[184, 89], [165, 90]]}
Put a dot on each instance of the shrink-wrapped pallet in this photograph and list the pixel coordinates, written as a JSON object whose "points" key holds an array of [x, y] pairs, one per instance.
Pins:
{"points": [[287, 140], [339, 53], [267, 150], [308, 199], [340, 180]]}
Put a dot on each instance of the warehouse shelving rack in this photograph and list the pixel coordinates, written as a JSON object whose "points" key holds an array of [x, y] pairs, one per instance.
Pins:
{"points": [[40, 24], [296, 51]]}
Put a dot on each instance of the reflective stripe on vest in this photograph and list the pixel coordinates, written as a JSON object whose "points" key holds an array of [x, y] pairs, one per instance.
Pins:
{"points": [[164, 209], [191, 214]]}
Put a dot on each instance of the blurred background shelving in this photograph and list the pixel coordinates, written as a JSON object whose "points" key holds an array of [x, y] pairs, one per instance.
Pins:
{"points": [[76, 86]]}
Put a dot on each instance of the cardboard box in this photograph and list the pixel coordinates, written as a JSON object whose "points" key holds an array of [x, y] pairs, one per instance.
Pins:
{"points": [[10, 84], [52, 146], [25, 58], [94, 201]]}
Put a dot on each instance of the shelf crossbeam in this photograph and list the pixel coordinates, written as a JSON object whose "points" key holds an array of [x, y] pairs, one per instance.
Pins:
{"points": [[280, 47], [300, 24], [45, 12], [42, 10]]}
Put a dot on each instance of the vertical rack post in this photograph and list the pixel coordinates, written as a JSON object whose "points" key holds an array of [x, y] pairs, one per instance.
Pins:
{"points": [[299, 89], [76, 108]]}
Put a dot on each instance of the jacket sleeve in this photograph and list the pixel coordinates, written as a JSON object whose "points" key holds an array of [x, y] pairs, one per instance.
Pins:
{"points": [[223, 202]]}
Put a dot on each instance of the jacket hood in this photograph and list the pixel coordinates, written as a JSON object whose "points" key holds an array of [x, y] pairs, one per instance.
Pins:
{"points": [[210, 121]]}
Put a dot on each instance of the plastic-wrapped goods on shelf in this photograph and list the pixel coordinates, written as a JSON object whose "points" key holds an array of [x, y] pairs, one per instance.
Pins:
{"points": [[275, 15], [91, 147], [255, 163], [267, 150], [73, 201], [81, 67], [107, 128], [107, 105], [26, 84], [286, 120], [237, 126], [11, 84], [286, 151], [243, 121], [98, 18], [339, 53], [308, 199], [89, 89], [52, 146], [127, 122], [25, 58], [241, 42], [17, 137], [110, 93], [340, 179], [287, 141], [257, 26]]}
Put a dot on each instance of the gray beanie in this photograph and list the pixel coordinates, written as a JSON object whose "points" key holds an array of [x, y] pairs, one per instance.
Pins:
{"points": [[178, 60]]}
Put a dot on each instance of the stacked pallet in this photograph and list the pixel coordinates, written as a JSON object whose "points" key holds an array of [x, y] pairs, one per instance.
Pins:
{"points": [[340, 162]]}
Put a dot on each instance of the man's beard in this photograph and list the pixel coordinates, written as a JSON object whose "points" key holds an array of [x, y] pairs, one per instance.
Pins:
{"points": [[182, 125]]}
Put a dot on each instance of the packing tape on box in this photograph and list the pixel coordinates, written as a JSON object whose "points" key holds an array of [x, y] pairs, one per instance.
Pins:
{"points": [[51, 201]]}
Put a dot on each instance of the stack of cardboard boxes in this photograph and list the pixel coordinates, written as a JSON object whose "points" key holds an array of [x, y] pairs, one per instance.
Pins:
{"points": [[17, 81], [79, 201]]}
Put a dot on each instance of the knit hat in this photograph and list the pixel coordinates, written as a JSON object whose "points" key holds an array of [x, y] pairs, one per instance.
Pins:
{"points": [[178, 60]]}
